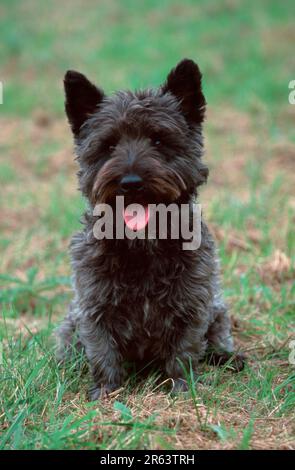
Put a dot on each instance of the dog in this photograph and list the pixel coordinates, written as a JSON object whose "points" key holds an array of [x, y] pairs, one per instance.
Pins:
{"points": [[143, 300]]}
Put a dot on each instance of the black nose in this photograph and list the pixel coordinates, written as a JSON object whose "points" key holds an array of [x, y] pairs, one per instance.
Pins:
{"points": [[131, 183]]}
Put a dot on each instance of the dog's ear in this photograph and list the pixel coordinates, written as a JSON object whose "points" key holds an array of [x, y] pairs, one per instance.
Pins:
{"points": [[185, 83], [82, 99]]}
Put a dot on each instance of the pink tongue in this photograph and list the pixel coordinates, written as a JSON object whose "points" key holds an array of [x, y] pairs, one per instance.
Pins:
{"points": [[136, 219]]}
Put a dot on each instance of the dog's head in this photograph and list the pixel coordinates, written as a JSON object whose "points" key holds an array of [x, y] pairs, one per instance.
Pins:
{"points": [[145, 145]]}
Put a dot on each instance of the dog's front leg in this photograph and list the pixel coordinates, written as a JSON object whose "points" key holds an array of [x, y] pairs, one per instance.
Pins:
{"points": [[103, 356], [184, 357]]}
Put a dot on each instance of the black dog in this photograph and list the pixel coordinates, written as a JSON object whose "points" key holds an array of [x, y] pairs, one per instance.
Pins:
{"points": [[143, 300]]}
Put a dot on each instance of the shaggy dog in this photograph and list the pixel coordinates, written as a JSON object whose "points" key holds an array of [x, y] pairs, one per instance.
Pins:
{"points": [[142, 300]]}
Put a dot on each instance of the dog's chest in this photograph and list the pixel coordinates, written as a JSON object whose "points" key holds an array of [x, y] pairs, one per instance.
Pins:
{"points": [[145, 304], [144, 324], [147, 331]]}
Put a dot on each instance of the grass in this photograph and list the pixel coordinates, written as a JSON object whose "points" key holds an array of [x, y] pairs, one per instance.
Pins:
{"points": [[245, 52]]}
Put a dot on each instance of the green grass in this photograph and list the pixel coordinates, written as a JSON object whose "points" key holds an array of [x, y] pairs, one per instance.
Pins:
{"points": [[245, 50], [44, 407]]}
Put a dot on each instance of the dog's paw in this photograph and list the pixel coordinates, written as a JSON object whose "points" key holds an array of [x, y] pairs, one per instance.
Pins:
{"points": [[95, 393], [238, 362], [179, 386], [235, 361], [101, 391]]}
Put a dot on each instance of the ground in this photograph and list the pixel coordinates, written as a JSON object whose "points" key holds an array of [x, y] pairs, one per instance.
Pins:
{"points": [[245, 50]]}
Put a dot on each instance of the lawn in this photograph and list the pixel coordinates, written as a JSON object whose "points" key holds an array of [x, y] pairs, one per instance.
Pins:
{"points": [[246, 52]]}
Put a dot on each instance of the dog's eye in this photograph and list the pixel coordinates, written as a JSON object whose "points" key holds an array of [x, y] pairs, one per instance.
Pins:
{"points": [[156, 141], [109, 145]]}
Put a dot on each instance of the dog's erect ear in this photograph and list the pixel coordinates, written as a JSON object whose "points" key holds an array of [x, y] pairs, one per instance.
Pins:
{"points": [[185, 83], [82, 98]]}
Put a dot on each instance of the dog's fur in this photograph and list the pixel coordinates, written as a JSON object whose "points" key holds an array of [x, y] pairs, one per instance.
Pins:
{"points": [[143, 300]]}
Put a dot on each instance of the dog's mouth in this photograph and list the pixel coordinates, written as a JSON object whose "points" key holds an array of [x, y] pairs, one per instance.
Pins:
{"points": [[136, 217]]}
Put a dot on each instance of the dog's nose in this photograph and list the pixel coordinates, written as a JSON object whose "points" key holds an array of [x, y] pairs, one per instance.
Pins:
{"points": [[131, 183]]}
